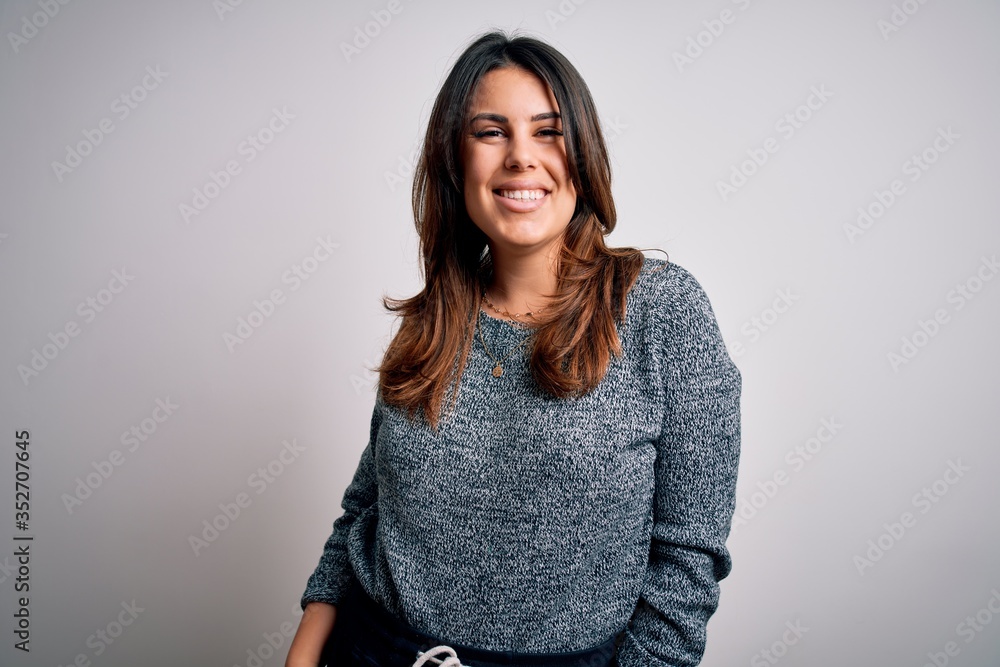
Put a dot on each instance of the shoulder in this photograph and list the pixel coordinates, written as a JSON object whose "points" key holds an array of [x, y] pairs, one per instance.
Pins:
{"points": [[666, 290], [674, 317]]}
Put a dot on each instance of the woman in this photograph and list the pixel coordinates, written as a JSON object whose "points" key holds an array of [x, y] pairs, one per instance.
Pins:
{"points": [[550, 473]]}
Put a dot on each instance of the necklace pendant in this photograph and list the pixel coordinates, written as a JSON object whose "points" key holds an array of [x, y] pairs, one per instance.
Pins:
{"points": [[497, 371]]}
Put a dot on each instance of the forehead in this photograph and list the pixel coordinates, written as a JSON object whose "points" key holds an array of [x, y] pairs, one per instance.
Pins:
{"points": [[514, 90]]}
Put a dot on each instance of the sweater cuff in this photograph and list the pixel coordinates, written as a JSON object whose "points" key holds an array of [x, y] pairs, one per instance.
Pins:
{"points": [[332, 593]]}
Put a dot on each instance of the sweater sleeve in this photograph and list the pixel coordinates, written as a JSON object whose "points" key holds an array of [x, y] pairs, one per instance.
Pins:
{"points": [[333, 576], [697, 455]]}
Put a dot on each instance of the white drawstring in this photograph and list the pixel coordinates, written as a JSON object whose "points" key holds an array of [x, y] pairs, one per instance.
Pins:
{"points": [[451, 661]]}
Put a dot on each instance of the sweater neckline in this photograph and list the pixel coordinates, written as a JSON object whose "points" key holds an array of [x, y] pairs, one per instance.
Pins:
{"points": [[497, 323]]}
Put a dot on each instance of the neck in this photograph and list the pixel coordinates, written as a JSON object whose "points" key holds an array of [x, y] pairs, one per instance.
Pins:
{"points": [[522, 283]]}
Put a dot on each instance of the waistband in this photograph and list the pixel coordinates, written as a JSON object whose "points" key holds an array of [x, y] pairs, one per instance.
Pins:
{"points": [[597, 656]]}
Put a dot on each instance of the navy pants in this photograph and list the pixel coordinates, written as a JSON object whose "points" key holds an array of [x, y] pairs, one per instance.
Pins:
{"points": [[367, 635]]}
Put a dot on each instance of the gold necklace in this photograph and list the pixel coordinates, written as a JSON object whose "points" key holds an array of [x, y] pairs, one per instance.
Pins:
{"points": [[498, 369], [514, 316]]}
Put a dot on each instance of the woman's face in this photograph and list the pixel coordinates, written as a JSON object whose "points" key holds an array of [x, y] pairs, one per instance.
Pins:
{"points": [[517, 186]]}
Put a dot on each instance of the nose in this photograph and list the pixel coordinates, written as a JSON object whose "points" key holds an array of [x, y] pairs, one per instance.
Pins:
{"points": [[520, 152]]}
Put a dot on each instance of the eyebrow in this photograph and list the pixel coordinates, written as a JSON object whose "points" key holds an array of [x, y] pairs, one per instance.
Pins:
{"points": [[497, 118]]}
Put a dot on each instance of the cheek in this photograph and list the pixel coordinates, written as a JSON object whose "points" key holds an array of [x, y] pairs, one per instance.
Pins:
{"points": [[473, 184], [566, 180], [476, 170], [472, 191], [468, 180], [560, 169]]}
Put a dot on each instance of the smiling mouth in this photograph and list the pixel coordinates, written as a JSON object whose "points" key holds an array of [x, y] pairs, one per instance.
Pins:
{"points": [[521, 195]]}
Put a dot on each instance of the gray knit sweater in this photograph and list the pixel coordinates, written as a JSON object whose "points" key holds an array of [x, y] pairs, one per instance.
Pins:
{"points": [[529, 523]]}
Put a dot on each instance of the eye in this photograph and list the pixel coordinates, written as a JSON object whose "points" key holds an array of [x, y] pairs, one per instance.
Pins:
{"points": [[487, 133], [550, 132]]}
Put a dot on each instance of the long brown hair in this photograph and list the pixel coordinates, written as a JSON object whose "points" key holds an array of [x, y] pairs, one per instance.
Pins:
{"points": [[572, 347]]}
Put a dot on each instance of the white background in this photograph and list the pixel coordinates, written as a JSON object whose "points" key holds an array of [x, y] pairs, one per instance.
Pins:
{"points": [[339, 170]]}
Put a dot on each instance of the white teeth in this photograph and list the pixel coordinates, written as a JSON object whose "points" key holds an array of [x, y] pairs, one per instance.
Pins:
{"points": [[522, 194]]}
